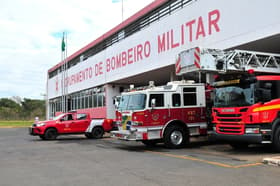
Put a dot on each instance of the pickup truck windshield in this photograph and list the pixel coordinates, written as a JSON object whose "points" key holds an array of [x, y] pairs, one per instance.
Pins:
{"points": [[59, 116], [132, 102], [234, 96]]}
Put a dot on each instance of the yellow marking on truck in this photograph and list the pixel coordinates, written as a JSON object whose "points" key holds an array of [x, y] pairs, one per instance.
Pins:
{"points": [[205, 161], [264, 108]]}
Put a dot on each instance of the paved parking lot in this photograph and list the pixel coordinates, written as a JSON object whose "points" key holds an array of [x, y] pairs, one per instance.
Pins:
{"points": [[75, 160]]}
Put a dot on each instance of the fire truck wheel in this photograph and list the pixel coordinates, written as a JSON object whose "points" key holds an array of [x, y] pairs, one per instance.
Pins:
{"points": [[239, 145], [175, 137], [50, 134], [276, 139], [97, 132]]}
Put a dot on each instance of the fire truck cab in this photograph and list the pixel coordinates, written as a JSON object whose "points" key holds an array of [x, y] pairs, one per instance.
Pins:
{"points": [[246, 104], [170, 114], [247, 110]]}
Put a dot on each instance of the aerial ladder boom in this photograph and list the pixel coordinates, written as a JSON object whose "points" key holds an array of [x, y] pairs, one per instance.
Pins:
{"points": [[222, 61]]}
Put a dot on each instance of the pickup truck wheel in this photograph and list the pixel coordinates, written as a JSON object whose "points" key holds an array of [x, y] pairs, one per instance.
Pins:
{"points": [[50, 134], [276, 140], [88, 135], [175, 137], [42, 137], [97, 132]]}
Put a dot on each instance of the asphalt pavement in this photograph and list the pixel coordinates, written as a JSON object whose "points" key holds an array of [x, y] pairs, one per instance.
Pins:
{"points": [[75, 160]]}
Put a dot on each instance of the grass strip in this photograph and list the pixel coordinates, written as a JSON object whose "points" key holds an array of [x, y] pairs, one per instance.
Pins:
{"points": [[16, 123]]}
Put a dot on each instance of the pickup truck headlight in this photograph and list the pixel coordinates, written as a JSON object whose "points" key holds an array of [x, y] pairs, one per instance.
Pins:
{"points": [[40, 124]]}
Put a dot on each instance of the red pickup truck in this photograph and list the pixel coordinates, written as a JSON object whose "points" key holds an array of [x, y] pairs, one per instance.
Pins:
{"points": [[71, 123]]}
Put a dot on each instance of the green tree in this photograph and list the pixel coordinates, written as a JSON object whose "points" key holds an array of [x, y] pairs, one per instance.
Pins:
{"points": [[28, 109], [32, 108], [9, 109]]}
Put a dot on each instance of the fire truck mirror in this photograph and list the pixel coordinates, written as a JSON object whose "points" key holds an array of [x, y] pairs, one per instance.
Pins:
{"points": [[153, 103], [116, 101], [264, 93]]}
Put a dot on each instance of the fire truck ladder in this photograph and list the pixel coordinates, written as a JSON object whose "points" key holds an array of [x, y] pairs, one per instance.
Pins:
{"points": [[215, 60], [242, 60]]}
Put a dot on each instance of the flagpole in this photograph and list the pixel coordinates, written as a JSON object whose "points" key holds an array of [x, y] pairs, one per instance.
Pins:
{"points": [[66, 73], [62, 71], [63, 74], [122, 10]]}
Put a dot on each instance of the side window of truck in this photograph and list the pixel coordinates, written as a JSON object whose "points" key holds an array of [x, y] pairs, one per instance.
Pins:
{"points": [[189, 96], [176, 100], [81, 116], [159, 100], [67, 117]]}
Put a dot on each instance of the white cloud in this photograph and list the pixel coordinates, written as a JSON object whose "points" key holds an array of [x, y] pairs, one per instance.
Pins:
{"points": [[30, 41]]}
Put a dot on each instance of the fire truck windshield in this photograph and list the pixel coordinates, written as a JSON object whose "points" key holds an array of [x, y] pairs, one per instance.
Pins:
{"points": [[234, 96], [132, 102]]}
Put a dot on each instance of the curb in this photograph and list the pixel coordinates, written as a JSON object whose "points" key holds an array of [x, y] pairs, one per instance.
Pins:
{"points": [[275, 161]]}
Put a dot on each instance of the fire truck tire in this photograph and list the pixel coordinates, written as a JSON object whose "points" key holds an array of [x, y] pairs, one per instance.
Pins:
{"points": [[50, 134], [175, 137], [97, 132], [276, 139], [239, 145]]}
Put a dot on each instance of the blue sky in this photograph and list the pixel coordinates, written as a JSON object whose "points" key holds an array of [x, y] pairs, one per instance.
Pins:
{"points": [[31, 31]]}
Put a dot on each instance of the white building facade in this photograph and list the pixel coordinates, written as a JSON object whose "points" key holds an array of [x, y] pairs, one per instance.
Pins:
{"points": [[144, 47]]}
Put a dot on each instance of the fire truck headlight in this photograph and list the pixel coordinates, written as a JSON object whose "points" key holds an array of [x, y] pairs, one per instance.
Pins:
{"points": [[252, 130], [136, 123], [132, 129], [214, 129]]}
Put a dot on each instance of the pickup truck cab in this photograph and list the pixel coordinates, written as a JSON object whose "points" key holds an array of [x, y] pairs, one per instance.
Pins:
{"points": [[71, 123]]}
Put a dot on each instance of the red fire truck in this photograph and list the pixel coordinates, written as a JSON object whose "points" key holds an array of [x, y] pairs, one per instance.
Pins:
{"points": [[246, 104], [169, 114], [247, 110]]}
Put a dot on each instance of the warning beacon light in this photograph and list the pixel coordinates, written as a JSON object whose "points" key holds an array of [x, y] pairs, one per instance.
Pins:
{"points": [[251, 71]]}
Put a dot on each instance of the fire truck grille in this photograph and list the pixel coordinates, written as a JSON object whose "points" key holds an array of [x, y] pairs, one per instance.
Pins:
{"points": [[230, 129], [230, 124], [229, 115], [229, 119]]}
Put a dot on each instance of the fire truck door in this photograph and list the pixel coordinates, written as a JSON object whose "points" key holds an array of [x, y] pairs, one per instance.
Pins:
{"points": [[193, 104], [175, 106], [158, 114]]}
